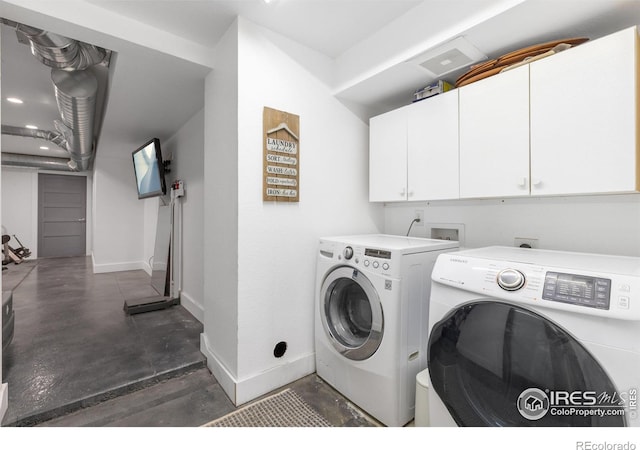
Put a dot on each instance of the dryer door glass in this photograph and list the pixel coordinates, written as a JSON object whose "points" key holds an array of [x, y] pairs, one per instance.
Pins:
{"points": [[351, 313], [494, 364]]}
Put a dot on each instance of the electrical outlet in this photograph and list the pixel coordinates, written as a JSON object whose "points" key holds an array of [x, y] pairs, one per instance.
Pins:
{"points": [[526, 242], [419, 215]]}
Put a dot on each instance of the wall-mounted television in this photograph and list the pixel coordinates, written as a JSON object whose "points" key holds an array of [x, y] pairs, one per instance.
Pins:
{"points": [[149, 170]]}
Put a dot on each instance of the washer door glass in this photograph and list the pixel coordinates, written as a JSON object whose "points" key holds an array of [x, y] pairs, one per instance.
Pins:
{"points": [[494, 364], [351, 313]]}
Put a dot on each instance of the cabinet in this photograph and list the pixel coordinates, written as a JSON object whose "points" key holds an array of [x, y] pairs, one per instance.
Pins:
{"points": [[413, 151], [494, 136], [564, 125], [388, 156], [432, 148], [584, 118]]}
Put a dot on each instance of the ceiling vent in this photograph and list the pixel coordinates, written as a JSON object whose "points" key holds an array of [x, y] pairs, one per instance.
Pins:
{"points": [[449, 57]]}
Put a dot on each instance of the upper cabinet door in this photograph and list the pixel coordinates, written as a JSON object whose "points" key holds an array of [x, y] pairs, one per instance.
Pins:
{"points": [[432, 153], [494, 136], [584, 116], [388, 156]]}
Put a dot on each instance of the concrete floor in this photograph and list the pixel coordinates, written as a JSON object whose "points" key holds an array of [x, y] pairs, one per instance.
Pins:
{"points": [[195, 399], [74, 346], [78, 360]]}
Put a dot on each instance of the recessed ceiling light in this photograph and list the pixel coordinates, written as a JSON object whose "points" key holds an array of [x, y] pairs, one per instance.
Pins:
{"points": [[14, 100], [31, 127], [44, 148]]}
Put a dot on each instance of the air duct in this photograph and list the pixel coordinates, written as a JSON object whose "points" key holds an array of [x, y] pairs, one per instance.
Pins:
{"points": [[76, 97], [40, 162], [50, 136], [75, 84], [60, 52]]}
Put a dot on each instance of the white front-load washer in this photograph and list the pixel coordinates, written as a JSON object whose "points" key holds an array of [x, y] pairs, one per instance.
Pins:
{"points": [[371, 316], [528, 337]]}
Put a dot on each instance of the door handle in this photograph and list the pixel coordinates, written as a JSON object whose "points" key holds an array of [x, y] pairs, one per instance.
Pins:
{"points": [[523, 182], [82, 220]]}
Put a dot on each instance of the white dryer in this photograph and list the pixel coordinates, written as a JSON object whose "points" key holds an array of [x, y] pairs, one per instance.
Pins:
{"points": [[527, 337], [371, 319]]}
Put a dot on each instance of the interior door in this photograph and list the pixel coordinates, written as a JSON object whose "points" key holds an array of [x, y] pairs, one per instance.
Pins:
{"points": [[493, 364], [62, 207]]}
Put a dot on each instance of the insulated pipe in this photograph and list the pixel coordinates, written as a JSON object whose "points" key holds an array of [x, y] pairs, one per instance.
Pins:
{"points": [[50, 136], [40, 162]]}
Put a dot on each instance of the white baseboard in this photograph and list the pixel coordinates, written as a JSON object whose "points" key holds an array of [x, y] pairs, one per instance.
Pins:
{"points": [[117, 267], [242, 391], [4, 400], [265, 382], [147, 268], [219, 371], [195, 308]]}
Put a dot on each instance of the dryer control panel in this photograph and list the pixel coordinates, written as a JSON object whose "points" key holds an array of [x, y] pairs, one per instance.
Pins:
{"points": [[577, 290], [597, 285]]}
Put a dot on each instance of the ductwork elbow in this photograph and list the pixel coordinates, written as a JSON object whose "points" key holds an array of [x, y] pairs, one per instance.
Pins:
{"points": [[60, 52]]}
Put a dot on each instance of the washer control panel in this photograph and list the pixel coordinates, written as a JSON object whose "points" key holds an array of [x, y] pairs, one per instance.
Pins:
{"points": [[370, 258], [577, 290], [377, 259]]}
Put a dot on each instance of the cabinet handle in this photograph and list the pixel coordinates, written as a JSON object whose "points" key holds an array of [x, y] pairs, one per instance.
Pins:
{"points": [[523, 182], [403, 192], [537, 183], [410, 193]]}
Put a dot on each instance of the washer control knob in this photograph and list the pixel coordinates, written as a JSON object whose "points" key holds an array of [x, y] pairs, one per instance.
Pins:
{"points": [[347, 253], [375, 264], [510, 279], [366, 263], [385, 266]]}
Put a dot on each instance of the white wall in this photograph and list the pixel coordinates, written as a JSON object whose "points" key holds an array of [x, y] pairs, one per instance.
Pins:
{"points": [[186, 148], [595, 224], [20, 206], [277, 242], [219, 342], [118, 235]]}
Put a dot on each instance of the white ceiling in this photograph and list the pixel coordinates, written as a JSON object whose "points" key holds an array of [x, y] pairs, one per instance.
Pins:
{"points": [[165, 48], [327, 26]]}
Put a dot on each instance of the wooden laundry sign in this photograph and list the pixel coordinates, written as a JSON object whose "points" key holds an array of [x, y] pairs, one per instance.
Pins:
{"points": [[281, 156]]}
